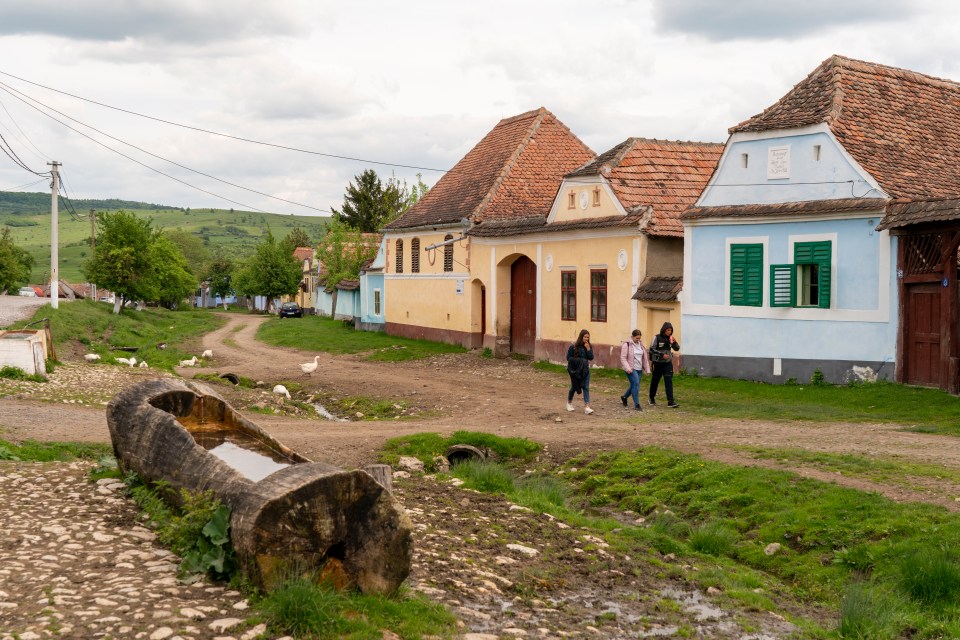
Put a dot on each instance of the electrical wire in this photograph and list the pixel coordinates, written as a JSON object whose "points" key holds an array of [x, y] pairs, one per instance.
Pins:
{"points": [[10, 153], [62, 189], [39, 154], [10, 90], [222, 135], [24, 186]]}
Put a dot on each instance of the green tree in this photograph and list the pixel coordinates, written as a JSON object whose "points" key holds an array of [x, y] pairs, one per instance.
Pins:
{"points": [[271, 271], [15, 263], [172, 279], [369, 204], [123, 262], [342, 252], [193, 249], [297, 238], [220, 276]]}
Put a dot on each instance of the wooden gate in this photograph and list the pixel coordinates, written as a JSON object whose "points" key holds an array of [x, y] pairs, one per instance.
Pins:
{"points": [[523, 306], [923, 334]]}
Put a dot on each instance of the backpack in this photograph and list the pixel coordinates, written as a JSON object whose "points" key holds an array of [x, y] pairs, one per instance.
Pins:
{"points": [[657, 351]]}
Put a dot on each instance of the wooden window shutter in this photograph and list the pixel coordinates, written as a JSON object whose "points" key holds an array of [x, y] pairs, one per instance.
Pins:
{"points": [[783, 285], [821, 254], [746, 275]]}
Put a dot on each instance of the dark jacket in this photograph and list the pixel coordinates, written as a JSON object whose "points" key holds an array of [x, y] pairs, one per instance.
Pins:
{"points": [[660, 346], [578, 366]]}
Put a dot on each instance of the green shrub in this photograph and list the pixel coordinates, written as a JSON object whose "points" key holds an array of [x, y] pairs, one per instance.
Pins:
{"points": [[300, 608], [930, 576], [713, 538], [818, 379], [16, 373]]}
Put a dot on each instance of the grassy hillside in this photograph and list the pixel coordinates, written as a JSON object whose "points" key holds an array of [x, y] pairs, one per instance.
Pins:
{"points": [[28, 216]]}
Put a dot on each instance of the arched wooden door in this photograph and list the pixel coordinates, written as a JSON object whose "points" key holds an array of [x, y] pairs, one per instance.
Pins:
{"points": [[523, 306]]}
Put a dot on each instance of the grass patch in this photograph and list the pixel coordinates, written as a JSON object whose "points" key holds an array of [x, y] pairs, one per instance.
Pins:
{"points": [[246, 383], [485, 476], [34, 451], [832, 538], [366, 408], [10, 372], [303, 609], [427, 446], [96, 329], [919, 409], [317, 333]]}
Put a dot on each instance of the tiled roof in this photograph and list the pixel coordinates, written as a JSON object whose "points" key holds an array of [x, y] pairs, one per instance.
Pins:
{"points": [[904, 213], [514, 171], [659, 289], [903, 127], [303, 253], [666, 175], [538, 224], [806, 207]]}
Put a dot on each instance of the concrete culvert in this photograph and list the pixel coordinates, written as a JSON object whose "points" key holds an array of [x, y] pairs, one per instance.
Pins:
{"points": [[458, 453], [232, 377]]}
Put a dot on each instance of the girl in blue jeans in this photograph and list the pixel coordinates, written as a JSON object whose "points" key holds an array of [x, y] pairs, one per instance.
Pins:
{"points": [[579, 356], [634, 362]]}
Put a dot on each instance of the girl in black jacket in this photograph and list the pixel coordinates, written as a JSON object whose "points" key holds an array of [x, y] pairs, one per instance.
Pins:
{"points": [[579, 356]]}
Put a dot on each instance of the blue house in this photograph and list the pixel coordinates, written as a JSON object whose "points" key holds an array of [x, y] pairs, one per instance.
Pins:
{"points": [[827, 237], [373, 293]]}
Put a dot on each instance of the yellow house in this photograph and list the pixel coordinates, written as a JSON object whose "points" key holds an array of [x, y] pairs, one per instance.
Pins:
{"points": [[608, 257], [514, 171], [530, 238]]}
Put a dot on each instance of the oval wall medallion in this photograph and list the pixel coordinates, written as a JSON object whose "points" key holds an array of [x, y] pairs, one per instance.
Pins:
{"points": [[548, 262], [622, 259]]}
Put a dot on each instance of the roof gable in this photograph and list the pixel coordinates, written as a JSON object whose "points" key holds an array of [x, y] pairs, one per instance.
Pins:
{"points": [[514, 171], [901, 126]]}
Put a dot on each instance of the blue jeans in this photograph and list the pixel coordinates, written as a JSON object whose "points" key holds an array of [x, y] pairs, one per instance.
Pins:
{"points": [[634, 379], [586, 390]]}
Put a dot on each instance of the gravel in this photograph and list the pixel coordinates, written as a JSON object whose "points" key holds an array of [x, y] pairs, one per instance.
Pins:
{"points": [[15, 309]]}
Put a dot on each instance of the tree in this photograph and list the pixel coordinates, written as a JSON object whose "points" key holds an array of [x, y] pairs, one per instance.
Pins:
{"points": [[172, 280], [15, 263], [271, 271], [193, 249], [297, 238], [220, 276], [370, 204], [123, 262], [343, 252]]}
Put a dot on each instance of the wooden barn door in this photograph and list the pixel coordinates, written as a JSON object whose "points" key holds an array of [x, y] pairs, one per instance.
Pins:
{"points": [[523, 306], [922, 334]]}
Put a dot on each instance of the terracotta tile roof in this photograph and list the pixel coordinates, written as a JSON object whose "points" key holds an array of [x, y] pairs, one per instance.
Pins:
{"points": [[907, 212], [665, 175], [901, 126], [303, 253], [806, 207], [659, 289], [514, 171], [538, 224]]}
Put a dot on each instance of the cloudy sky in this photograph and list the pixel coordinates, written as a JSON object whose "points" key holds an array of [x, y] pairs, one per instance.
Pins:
{"points": [[414, 84]]}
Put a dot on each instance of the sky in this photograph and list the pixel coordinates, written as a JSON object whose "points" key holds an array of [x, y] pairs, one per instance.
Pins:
{"points": [[400, 88]]}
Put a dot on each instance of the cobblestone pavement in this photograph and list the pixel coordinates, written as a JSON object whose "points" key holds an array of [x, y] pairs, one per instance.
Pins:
{"points": [[76, 563]]}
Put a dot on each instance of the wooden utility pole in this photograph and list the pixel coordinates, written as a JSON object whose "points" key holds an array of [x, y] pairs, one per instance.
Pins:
{"points": [[54, 239], [93, 250]]}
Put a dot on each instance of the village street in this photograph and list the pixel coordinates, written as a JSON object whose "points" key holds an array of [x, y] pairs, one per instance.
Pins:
{"points": [[443, 394]]}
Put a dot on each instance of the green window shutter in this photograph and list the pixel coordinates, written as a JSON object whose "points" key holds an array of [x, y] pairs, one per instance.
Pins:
{"points": [[782, 285], [824, 302], [746, 275]]}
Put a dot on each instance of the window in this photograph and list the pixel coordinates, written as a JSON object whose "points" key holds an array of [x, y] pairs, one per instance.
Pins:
{"points": [[376, 302], [744, 160], [598, 295], [415, 255], [399, 256], [816, 153], [448, 253], [596, 196], [568, 295], [806, 282], [571, 200], [746, 275]]}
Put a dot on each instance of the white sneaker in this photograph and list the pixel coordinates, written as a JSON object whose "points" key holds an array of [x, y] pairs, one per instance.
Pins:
{"points": [[588, 411], [569, 407]]}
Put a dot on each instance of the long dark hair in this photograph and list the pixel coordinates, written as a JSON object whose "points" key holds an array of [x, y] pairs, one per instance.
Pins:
{"points": [[579, 343]]}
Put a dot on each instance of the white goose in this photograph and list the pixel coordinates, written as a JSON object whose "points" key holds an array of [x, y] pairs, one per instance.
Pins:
{"points": [[192, 362], [281, 390], [207, 354], [310, 367], [91, 357]]}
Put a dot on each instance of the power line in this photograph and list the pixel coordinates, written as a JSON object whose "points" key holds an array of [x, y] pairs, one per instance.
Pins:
{"points": [[40, 154], [19, 95], [10, 153], [24, 186], [223, 135]]}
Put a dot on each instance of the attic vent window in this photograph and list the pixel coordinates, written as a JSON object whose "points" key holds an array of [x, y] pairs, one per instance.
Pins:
{"points": [[572, 200], [816, 153], [596, 196], [744, 160]]}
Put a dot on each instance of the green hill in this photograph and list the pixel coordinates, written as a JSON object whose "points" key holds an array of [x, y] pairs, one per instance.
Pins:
{"points": [[28, 216]]}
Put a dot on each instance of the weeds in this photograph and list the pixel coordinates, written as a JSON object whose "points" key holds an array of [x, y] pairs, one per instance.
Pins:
{"points": [[488, 477], [427, 446], [713, 538], [930, 576], [867, 614], [16, 373]]}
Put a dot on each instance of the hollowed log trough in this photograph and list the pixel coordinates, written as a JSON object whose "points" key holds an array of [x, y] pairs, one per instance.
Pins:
{"points": [[309, 517]]}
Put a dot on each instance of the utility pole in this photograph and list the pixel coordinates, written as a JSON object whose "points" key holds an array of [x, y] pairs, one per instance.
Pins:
{"points": [[54, 240], [93, 252]]}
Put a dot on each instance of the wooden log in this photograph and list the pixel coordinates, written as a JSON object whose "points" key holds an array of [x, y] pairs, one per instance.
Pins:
{"points": [[309, 517], [382, 473]]}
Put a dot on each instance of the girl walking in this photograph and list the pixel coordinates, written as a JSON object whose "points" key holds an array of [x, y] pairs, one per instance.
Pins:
{"points": [[579, 356], [634, 362]]}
